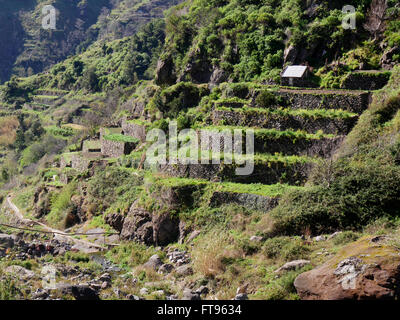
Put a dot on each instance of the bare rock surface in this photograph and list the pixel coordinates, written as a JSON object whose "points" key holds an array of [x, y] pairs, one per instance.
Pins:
{"points": [[366, 269], [293, 265]]}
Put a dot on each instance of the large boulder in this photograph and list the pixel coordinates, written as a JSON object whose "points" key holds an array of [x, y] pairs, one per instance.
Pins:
{"points": [[20, 272], [143, 226], [293, 265], [366, 269], [138, 226], [153, 263], [115, 220], [79, 292]]}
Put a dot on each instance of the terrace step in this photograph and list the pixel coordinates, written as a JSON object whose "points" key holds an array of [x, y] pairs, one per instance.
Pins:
{"points": [[352, 101], [273, 141], [251, 196], [267, 170], [45, 100], [327, 121], [52, 92]]}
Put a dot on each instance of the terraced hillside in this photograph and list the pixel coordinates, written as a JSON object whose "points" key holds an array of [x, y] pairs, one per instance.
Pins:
{"points": [[323, 171], [293, 130]]}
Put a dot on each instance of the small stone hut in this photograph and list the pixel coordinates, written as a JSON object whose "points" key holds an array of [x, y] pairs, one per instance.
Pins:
{"points": [[296, 76]]}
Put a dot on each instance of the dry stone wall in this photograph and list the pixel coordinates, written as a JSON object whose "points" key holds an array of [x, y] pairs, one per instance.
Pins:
{"points": [[135, 130], [306, 99]]}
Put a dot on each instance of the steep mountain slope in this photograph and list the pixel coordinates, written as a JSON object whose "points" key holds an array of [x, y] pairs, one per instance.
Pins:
{"points": [[75, 154], [30, 49]]}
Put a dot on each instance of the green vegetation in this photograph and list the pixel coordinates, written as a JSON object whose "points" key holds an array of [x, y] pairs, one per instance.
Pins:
{"points": [[359, 187], [120, 138], [205, 56], [61, 214]]}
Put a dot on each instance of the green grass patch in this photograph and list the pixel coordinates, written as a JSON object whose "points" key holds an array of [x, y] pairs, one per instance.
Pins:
{"points": [[120, 138]]}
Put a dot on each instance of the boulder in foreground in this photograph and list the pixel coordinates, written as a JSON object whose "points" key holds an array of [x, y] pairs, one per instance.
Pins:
{"points": [[366, 269]]}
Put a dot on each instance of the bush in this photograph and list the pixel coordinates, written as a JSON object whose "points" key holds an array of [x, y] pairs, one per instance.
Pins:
{"points": [[212, 253], [49, 145], [8, 289], [285, 248], [62, 209], [267, 99], [354, 197], [114, 188], [345, 237]]}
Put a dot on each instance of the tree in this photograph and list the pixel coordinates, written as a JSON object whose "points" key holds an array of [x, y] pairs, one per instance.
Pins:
{"points": [[90, 79]]}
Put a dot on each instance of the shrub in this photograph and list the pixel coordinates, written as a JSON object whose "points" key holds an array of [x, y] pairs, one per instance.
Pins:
{"points": [[354, 197], [267, 99], [345, 237], [8, 289], [62, 209], [285, 248]]}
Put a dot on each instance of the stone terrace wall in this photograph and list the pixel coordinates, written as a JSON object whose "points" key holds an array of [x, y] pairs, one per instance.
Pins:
{"points": [[268, 173], [366, 80], [80, 163], [134, 130], [324, 147], [306, 99], [112, 149], [250, 201], [116, 149], [311, 125]]}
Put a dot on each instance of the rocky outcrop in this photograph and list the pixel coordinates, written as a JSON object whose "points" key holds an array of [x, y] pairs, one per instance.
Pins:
{"points": [[138, 226], [150, 228], [115, 220], [387, 61], [197, 70], [165, 228], [165, 73], [366, 269], [41, 202], [218, 76]]}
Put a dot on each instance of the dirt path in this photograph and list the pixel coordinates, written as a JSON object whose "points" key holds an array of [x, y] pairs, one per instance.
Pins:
{"points": [[81, 245]]}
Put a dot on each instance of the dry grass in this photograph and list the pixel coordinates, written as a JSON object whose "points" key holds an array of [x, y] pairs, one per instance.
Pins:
{"points": [[210, 252], [8, 130], [265, 225]]}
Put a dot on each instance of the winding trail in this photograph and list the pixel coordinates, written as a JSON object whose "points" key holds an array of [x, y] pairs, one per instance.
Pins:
{"points": [[81, 245]]}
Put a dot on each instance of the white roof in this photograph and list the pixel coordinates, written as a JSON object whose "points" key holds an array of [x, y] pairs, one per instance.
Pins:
{"points": [[294, 72]]}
